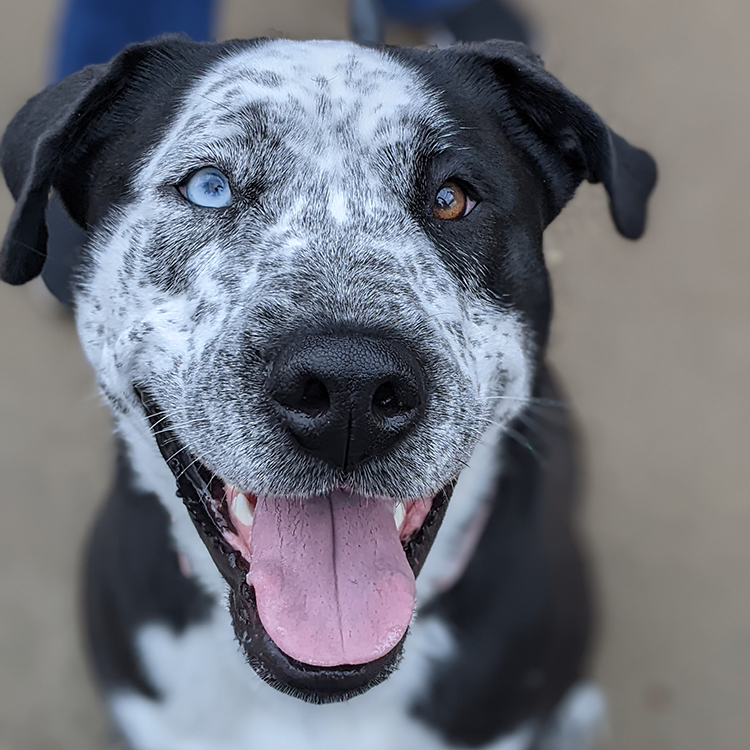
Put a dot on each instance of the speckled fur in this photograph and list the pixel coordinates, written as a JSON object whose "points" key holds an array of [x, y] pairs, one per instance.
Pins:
{"points": [[318, 141]]}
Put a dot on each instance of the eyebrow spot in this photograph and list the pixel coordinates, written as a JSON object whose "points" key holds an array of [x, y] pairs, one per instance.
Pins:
{"points": [[337, 206]]}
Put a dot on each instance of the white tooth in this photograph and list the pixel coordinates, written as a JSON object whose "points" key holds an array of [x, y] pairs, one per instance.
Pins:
{"points": [[242, 510], [399, 513]]}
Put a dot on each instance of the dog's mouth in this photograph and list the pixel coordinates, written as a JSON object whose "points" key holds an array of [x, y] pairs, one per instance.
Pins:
{"points": [[322, 587]]}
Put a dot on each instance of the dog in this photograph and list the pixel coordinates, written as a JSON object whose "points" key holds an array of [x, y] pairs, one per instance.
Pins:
{"points": [[314, 296]]}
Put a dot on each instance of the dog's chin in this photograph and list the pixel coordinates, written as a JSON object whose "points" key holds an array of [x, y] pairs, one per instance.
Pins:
{"points": [[317, 664], [310, 683]]}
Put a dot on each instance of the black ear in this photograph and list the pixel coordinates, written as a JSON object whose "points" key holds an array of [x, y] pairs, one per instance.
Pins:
{"points": [[56, 134], [566, 138]]}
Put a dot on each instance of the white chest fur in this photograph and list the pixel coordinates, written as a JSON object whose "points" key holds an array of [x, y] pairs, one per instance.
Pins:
{"points": [[212, 700]]}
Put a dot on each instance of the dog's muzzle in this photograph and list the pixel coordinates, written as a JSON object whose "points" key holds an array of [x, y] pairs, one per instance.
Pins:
{"points": [[322, 587]]}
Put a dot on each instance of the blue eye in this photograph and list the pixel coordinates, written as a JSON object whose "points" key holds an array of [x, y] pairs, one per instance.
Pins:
{"points": [[208, 187]]}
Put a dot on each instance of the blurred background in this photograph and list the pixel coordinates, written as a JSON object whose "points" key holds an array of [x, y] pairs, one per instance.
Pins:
{"points": [[652, 340]]}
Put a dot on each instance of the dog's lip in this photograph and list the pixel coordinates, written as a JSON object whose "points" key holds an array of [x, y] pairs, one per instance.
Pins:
{"points": [[204, 497]]}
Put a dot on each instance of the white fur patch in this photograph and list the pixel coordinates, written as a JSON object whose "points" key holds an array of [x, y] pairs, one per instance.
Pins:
{"points": [[213, 700], [464, 520], [581, 720]]}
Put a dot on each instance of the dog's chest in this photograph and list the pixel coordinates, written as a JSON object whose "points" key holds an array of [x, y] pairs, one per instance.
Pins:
{"points": [[211, 699]]}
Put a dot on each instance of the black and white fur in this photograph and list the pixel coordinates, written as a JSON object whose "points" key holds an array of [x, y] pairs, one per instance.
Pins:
{"points": [[334, 153]]}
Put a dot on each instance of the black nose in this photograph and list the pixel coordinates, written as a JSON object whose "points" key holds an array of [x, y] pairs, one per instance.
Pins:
{"points": [[347, 397]]}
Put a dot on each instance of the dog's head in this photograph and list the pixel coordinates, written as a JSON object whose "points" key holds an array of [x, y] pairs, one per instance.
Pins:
{"points": [[314, 279]]}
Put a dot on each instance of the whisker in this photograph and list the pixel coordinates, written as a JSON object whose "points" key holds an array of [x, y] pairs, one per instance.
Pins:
{"points": [[533, 425], [175, 440], [164, 415], [180, 425], [529, 400], [524, 443], [547, 414], [222, 105], [187, 468], [512, 433]]}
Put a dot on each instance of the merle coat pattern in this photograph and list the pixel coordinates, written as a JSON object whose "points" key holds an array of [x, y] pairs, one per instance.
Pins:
{"points": [[333, 154]]}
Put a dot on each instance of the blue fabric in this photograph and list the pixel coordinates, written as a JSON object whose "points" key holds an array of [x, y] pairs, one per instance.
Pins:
{"points": [[94, 31], [421, 11]]}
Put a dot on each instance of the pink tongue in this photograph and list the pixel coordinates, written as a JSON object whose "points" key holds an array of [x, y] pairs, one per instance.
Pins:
{"points": [[331, 579]]}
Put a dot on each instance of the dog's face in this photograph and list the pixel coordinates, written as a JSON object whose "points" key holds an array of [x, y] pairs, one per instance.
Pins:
{"points": [[314, 281], [294, 207]]}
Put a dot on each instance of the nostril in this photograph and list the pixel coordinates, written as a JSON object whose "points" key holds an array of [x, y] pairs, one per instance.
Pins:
{"points": [[315, 398], [388, 401], [302, 393]]}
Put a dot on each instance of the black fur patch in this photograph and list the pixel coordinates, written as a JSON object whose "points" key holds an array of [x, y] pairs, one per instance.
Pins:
{"points": [[521, 613], [132, 578]]}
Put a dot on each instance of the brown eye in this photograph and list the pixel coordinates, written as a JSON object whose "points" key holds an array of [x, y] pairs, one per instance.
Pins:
{"points": [[451, 202]]}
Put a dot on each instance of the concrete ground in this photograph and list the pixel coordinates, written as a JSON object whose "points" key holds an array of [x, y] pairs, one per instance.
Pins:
{"points": [[651, 338]]}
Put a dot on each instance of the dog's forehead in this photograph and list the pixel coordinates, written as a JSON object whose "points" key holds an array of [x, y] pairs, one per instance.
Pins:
{"points": [[329, 98]]}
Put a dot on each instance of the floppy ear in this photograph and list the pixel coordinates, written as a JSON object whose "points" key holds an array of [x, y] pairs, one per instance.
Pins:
{"points": [[566, 138], [53, 142]]}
